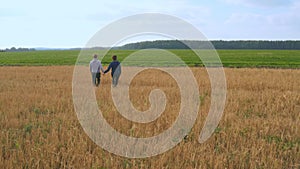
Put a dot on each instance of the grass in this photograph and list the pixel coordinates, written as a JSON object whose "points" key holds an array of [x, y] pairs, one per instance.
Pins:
{"points": [[229, 58], [259, 128], [38, 58], [261, 58]]}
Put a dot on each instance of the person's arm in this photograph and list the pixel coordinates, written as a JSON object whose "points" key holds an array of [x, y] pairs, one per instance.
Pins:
{"points": [[107, 70], [119, 67], [90, 67], [101, 68]]}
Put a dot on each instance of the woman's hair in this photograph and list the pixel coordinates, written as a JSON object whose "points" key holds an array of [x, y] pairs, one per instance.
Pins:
{"points": [[114, 57]]}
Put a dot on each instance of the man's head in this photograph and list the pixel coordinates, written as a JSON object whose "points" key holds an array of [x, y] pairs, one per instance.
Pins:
{"points": [[95, 56], [114, 57]]}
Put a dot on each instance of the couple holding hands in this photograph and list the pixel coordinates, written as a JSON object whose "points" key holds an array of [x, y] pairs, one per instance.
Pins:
{"points": [[96, 67]]}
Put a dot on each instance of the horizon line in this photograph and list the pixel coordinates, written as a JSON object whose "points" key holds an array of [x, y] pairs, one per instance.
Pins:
{"points": [[74, 47]]}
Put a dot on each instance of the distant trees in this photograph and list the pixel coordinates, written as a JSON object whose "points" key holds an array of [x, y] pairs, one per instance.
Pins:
{"points": [[257, 44], [187, 44], [217, 44], [14, 49]]}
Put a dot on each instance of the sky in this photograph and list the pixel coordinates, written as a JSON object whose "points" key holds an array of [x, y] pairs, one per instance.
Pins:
{"points": [[71, 23]]}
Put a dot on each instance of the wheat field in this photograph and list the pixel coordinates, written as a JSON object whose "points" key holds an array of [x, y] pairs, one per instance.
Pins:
{"points": [[259, 127]]}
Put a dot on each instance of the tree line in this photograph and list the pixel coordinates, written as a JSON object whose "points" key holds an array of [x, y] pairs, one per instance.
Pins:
{"points": [[14, 49], [217, 44], [189, 44]]}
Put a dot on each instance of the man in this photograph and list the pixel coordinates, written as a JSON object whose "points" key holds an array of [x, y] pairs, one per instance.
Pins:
{"points": [[95, 67], [116, 70]]}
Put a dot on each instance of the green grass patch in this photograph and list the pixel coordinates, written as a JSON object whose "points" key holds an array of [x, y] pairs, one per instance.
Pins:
{"points": [[229, 58]]}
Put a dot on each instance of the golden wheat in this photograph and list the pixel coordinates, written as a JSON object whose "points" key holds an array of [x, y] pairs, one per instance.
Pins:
{"points": [[259, 128]]}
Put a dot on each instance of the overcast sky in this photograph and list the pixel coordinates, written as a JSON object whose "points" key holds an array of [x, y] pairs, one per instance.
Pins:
{"points": [[66, 23]]}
